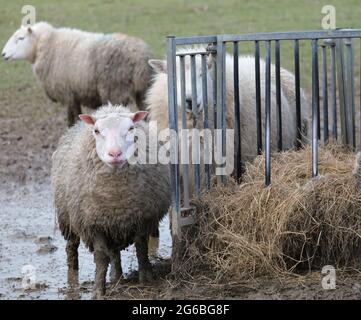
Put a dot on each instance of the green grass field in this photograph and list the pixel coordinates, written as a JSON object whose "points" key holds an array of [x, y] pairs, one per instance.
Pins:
{"points": [[154, 20]]}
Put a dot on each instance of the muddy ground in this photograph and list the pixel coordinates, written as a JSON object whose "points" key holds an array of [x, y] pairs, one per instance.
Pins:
{"points": [[30, 129]]}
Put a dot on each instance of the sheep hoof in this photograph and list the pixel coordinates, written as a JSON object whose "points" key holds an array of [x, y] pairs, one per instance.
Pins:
{"points": [[146, 276]]}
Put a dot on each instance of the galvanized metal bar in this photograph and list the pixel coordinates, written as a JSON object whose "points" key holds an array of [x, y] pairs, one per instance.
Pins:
{"points": [[195, 40], [195, 133], [195, 52], [318, 109], [219, 83], [352, 75], [333, 91], [350, 93], [224, 107], [303, 35], [268, 115], [184, 135], [278, 95], [296, 49], [315, 108], [213, 61], [258, 98], [220, 93], [294, 35], [214, 87], [237, 113], [325, 94], [207, 156], [173, 125], [342, 91]]}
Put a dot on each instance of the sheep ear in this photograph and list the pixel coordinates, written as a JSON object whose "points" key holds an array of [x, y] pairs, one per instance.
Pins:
{"points": [[138, 116], [159, 66], [87, 118]]}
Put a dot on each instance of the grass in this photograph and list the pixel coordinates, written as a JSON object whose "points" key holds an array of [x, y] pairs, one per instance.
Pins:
{"points": [[153, 20]]}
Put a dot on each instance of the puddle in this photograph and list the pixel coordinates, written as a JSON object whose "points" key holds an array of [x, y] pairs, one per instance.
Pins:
{"points": [[30, 248]]}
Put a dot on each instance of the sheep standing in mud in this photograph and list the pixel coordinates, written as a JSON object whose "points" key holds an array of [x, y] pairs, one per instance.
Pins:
{"points": [[104, 199], [157, 101], [81, 68]]}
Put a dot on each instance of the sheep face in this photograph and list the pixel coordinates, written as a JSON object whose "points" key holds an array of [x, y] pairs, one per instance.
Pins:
{"points": [[114, 136], [160, 66], [20, 46]]}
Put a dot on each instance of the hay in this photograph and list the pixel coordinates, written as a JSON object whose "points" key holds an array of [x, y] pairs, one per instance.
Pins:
{"points": [[298, 222]]}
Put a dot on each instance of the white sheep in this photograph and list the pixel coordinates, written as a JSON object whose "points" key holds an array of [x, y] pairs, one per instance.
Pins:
{"points": [[103, 198], [157, 101], [81, 68]]}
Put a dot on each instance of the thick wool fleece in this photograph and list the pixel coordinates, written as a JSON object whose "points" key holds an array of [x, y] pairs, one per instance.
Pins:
{"points": [[91, 197], [91, 69]]}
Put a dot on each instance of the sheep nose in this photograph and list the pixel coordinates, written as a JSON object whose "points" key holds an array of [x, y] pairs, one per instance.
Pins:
{"points": [[115, 153]]}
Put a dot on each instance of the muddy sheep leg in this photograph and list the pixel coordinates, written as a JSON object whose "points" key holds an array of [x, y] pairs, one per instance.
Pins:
{"points": [[145, 268], [73, 112], [101, 259], [116, 271], [72, 246], [72, 252]]}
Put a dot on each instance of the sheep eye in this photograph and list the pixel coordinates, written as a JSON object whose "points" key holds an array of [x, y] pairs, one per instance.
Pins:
{"points": [[21, 38], [96, 131], [131, 128]]}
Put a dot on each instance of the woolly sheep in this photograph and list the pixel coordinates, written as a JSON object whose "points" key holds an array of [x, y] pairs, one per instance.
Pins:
{"points": [[81, 68], [102, 197], [157, 101]]}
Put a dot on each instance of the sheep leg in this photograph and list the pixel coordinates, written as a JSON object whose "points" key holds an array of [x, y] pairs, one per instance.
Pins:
{"points": [[73, 112], [153, 243], [72, 246], [145, 268], [154, 231], [101, 259], [116, 271]]}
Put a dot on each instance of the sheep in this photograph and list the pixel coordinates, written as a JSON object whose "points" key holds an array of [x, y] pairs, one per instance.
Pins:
{"points": [[103, 198], [81, 68], [157, 101]]}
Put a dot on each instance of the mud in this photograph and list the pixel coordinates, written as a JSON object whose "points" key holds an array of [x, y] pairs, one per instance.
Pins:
{"points": [[29, 239]]}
